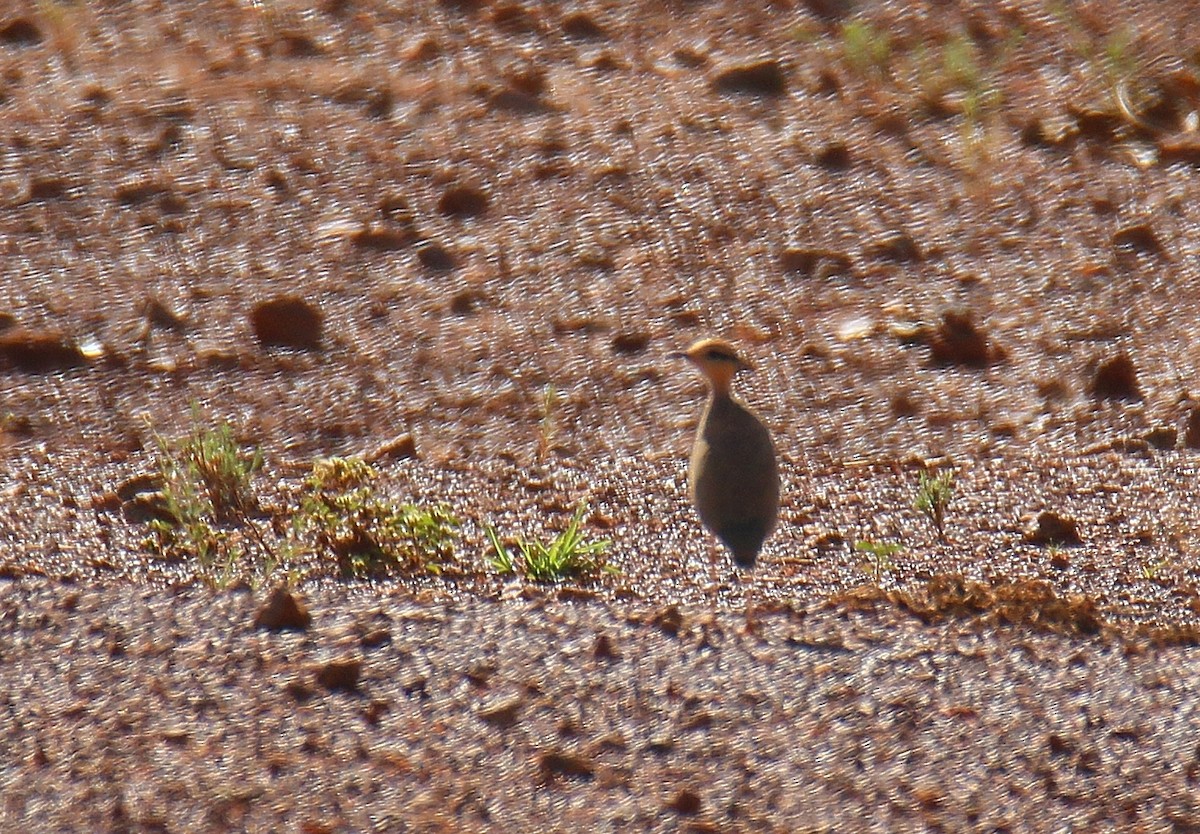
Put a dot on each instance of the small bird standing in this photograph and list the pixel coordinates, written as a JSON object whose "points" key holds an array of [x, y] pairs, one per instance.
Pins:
{"points": [[733, 478]]}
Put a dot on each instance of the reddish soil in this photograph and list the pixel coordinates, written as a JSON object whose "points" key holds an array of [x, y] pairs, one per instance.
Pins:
{"points": [[955, 236]]}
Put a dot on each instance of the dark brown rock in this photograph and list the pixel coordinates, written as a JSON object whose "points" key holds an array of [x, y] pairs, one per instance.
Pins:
{"points": [[435, 257], [1163, 438], [1139, 237], [582, 26], [501, 712], [669, 619], [811, 261], [287, 321], [685, 802], [898, 248], [20, 32], [283, 611], [159, 314], [630, 343], [1115, 379], [39, 351], [466, 302], [1191, 432], [1054, 528], [462, 200], [604, 648], [44, 188], [834, 157], [563, 763], [340, 675], [957, 340], [383, 238], [402, 447], [757, 78]]}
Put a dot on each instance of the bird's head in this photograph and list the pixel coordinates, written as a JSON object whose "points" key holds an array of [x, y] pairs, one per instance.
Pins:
{"points": [[717, 359]]}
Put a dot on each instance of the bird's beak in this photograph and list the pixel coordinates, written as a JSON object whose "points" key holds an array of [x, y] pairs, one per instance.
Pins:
{"points": [[743, 365]]}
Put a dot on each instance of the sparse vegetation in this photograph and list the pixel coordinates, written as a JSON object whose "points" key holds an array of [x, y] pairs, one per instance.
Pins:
{"points": [[1152, 569], [342, 514], [566, 555], [879, 556], [934, 493], [866, 49], [206, 507]]}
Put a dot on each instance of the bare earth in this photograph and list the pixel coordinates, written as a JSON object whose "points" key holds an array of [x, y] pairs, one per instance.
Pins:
{"points": [[951, 236]]}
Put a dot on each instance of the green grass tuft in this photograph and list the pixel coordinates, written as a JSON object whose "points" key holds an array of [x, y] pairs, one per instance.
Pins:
{"points": [[934, 493], [566, 555], [207, 497], [341, 514]]}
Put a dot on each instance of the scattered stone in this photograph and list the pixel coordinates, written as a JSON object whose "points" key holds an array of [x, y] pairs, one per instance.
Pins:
{"points": [[515, 18], [403, 447], [145, 507], [630, 343], [139, 190], [1139, 237], [661, 744], [834, 157], [416, 685], [559, 763], [283, 611], [815, 262], [605, 648], [1115, 379], [669, 619], [435, 257], [295, 44], [1163, 438], [1191, 432], [904, 404], [501, 712], [1053, 528], [300, 691], [340, 675], [43, 188], [287, 321], [39, 351], [898, 248], [176, 736], [685, 802], [692, 55], [462, 200], [481, 672], [1180, 148], [515, 100], [383, 238], [466, 302], [20, 32], [375, 711], [1099, 124], [217, 356], [759, 78], [582, 26], [158, 314], [958, 341], [855, 329]]}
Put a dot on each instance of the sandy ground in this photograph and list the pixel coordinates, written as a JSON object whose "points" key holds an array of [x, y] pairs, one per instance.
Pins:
{"points": [[956, 236]]}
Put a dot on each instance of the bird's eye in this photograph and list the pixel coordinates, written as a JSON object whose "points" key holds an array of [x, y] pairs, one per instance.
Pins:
{"points": [[719, 355]]}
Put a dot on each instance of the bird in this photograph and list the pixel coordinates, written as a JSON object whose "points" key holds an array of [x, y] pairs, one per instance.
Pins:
{"points": [[733, 476]]}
